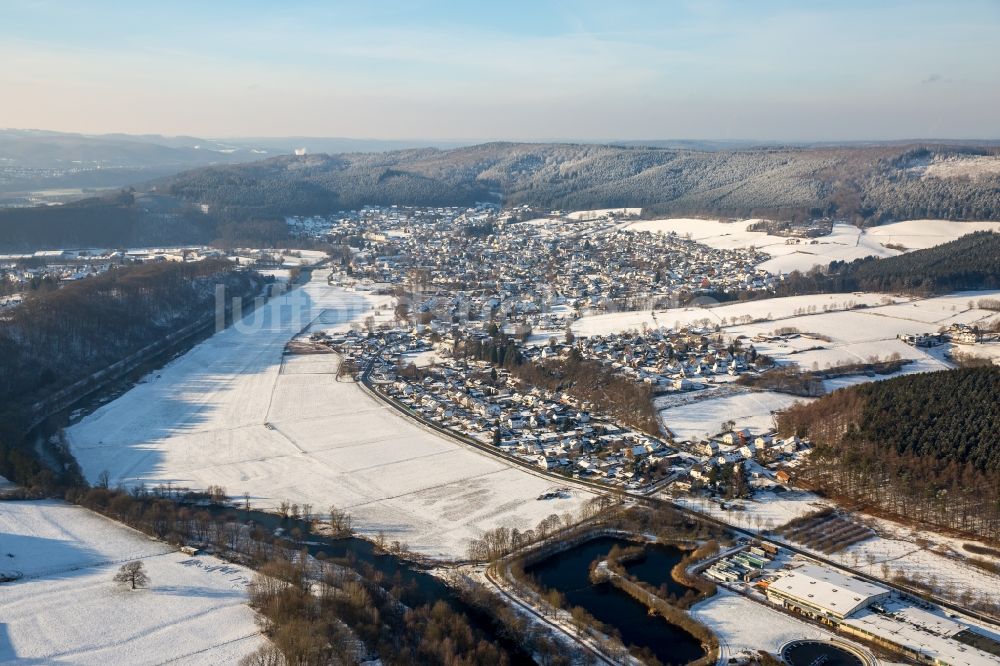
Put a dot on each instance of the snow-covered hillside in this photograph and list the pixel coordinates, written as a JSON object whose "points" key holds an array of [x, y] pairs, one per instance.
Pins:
{"points": [[603, 212], [67, 609], [725, 314], [854, 334]]}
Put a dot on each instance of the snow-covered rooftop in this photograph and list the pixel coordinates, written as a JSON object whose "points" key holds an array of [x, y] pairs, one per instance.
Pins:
{"points": [[923, 632], [828, 589]]}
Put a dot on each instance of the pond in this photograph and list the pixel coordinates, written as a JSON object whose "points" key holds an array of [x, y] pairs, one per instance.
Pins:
{"points": [[655, 568], [569, 572]]}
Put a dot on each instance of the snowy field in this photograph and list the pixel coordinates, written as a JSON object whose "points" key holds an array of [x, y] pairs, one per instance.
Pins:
{"points": [[922, 234], [234, 412], [828, 336], [279, 274], [422, 359], [987, 350], [726, 314], [703, 419], [845, 243], [765, 511], [856, 335], [297, 259], [932, 558], [67, 609]]}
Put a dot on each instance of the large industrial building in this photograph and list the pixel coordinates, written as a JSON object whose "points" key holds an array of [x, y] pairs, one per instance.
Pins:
{"points": [[869, 611], [923, 636], [823, 593]]}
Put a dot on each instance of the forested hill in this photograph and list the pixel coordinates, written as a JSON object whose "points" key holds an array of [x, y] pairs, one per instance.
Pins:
{"points": [[118, 220], [967, 263], [923, 446], [58, 337], [862, 184], [248, 202]]}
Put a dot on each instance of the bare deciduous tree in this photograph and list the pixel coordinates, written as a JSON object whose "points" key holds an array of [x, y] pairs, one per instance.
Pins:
{"points": [[265, 655], [340, 521], [133, 573]]}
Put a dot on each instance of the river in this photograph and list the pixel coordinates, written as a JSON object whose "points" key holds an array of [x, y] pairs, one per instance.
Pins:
{"points": [[419, 586]]}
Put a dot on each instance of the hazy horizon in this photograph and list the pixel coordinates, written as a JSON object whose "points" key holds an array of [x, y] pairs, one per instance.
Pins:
{"points": [[469, 141], [449, 72]]}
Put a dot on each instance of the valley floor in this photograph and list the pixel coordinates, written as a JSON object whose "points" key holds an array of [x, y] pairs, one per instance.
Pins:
{"points": [[238, 413]]}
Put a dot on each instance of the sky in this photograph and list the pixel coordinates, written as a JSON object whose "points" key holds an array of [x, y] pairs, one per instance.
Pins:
{"points": [[513, 70]]}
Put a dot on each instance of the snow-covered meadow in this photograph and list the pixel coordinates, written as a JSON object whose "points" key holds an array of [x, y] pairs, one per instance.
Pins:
{"points": [[859, 334], [602, 212], [767, 510], [726, 314], [845, 243], [67, 609], [934, 559], [703, 419], [236, 412]]}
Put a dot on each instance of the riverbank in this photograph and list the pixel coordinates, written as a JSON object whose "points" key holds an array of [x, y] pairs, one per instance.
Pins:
{"points": [[289, 549]]}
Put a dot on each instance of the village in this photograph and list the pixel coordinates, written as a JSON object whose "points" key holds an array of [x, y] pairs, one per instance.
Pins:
{"points": [[511, 284], [488, 261], [525, 334], [483, 401]]}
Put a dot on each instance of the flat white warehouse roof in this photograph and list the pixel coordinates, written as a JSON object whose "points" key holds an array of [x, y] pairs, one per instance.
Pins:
{"points": [[827, 588], [923, 632]]}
